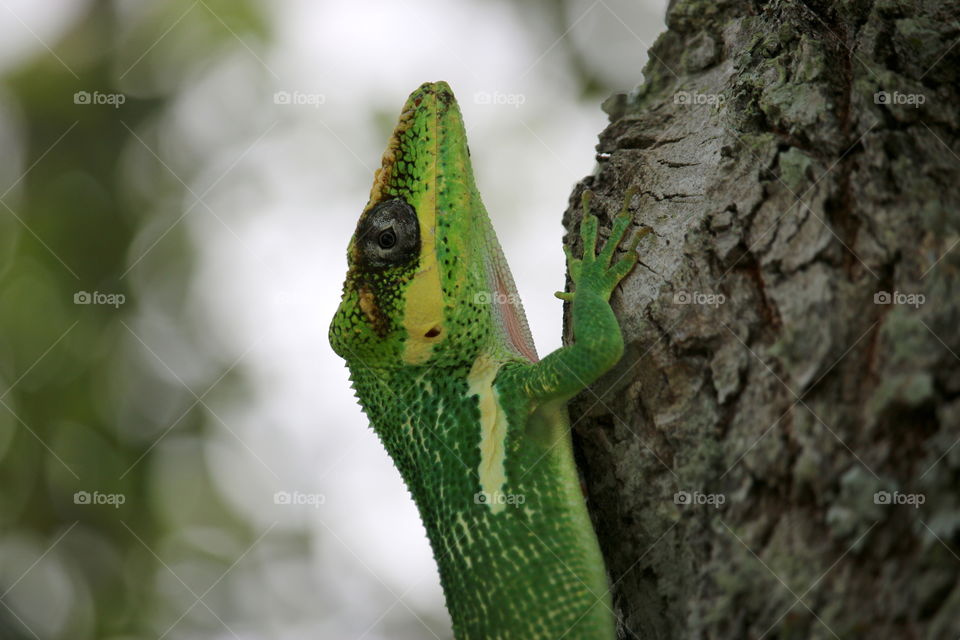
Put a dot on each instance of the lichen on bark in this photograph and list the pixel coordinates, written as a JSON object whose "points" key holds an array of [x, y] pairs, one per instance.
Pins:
{"points": [[792, 330]]}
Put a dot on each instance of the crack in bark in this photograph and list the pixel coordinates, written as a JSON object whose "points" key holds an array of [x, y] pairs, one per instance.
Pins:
{"points": [[674, 164], [668, 196]]}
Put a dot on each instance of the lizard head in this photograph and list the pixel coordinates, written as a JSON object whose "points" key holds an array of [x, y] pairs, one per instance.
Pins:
{"points": [[427, 283]]}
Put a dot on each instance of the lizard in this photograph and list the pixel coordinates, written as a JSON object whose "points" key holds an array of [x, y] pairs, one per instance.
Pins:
{"points": [[442, 361]]}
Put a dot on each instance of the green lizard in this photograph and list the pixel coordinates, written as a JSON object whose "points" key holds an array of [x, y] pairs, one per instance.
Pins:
{"points": [[443, 363]]}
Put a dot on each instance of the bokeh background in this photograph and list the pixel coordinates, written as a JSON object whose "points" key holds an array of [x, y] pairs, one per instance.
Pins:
{"points": [[181, 455]]}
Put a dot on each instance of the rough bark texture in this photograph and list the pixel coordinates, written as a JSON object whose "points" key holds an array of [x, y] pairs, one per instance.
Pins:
{"points": [[800, 196]]}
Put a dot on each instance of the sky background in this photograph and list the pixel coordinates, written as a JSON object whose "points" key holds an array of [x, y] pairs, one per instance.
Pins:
{"points": [[245, 202]]}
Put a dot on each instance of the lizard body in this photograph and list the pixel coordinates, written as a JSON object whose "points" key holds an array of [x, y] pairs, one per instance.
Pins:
{"points": [[444, 366]]}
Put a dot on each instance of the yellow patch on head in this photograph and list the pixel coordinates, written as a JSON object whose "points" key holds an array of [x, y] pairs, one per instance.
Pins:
{"points": [[423, 312], [368, 305], [424, 308]]}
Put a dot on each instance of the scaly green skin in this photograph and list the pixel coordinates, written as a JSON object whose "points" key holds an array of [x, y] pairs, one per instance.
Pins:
{"points": [[444, 367]]}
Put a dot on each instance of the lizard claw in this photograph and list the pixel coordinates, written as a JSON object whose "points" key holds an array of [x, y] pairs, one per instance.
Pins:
{"points": [[600, 272]]}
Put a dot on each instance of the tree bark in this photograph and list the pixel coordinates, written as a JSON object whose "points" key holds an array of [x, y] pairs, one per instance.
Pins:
{"points": [[776, 455]]}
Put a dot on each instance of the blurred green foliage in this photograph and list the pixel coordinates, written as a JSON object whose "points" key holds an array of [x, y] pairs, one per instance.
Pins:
{"points": [[81, 406]]}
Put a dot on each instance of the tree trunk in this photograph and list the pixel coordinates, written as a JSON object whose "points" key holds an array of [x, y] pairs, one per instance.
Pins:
{"points": [[776, 456]]}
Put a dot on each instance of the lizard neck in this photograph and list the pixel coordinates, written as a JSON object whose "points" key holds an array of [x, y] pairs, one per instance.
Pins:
{"points": [[518, 559]]}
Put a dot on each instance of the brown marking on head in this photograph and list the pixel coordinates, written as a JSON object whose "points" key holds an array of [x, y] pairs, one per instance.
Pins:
{"points": [[368, 304]]}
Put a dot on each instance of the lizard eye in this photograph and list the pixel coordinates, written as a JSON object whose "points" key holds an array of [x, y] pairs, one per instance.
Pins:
{"points": [[388, 235], [387, 238]]}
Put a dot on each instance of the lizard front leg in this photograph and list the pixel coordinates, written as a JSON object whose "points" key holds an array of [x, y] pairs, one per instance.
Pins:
{"points": [[597, 341]]}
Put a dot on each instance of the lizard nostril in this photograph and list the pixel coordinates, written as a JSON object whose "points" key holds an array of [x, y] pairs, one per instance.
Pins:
{"points": [[433, 333]]}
